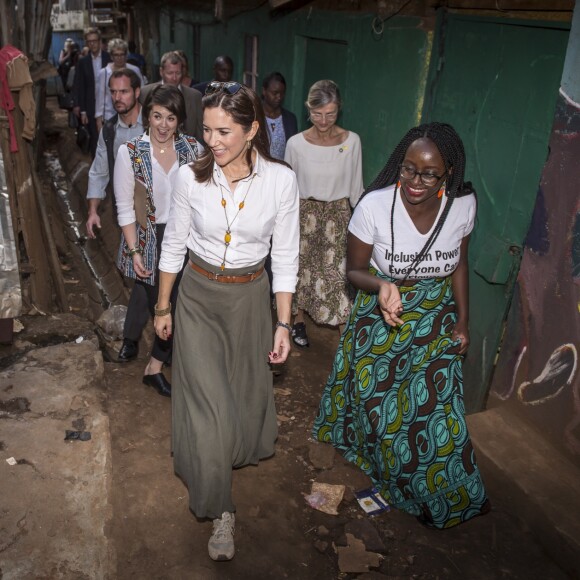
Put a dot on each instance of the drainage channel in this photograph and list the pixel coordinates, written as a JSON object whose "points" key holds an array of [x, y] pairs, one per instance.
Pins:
{"points": [[103, 276]]}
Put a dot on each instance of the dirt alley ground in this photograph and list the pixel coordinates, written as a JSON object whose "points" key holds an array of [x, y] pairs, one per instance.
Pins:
{"points": [[278, 535]]}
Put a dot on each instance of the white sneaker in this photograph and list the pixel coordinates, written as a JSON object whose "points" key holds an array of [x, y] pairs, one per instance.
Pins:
{"points": [[221, 543]]}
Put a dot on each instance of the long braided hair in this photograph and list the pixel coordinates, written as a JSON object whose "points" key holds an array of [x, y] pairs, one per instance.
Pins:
{"points": [[452, 151]]}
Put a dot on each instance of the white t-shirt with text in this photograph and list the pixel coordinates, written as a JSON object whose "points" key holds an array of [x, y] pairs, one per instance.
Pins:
{"points": [[371, 223]]}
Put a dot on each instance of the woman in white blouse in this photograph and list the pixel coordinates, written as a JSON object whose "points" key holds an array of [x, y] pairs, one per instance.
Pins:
{"points": [[145, 172], [327, 160], [226, 209]]}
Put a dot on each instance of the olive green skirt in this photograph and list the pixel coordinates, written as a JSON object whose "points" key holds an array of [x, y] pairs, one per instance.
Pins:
{"points": [[222, 396]]}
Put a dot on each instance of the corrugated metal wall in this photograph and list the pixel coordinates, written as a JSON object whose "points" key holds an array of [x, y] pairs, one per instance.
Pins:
{"points": [[495, 80]]}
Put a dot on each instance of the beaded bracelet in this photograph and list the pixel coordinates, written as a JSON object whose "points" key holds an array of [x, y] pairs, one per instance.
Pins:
{"points": [[284, 325], [163, 311]]}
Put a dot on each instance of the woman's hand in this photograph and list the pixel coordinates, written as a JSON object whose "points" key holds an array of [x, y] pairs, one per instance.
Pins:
{"points": [[281, 346], [461, 333], [163, 326], [139, 267], [358, 257], [390, 303]]}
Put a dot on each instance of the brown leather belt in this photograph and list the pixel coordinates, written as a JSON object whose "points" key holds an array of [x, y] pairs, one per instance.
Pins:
{"points": [[226, 278]]}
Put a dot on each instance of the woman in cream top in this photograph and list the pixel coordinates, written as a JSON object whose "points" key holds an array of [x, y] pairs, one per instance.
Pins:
{"points": [[328, 164]]}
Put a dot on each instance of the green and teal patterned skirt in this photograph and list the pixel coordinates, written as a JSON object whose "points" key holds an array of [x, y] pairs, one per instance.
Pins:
{"points": [[393, 405]]}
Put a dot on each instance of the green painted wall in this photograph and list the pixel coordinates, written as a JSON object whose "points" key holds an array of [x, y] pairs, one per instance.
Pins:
{"points": [[383, 77], [496, 81], [176, 33]]}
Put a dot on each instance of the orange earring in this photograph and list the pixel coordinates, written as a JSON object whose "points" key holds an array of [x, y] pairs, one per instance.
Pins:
{"points": [[441, 191]]}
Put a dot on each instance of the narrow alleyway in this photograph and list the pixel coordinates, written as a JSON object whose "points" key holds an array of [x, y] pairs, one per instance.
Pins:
{"points": [[151, 533]]}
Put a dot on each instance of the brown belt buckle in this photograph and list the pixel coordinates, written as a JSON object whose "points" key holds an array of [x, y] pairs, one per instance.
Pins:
{"points": [[213, 276]]}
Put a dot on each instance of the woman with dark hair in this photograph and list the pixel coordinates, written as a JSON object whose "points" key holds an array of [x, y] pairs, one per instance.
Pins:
{"points": [[327, 160], [226, 209], [393, 404], [145, 172]]}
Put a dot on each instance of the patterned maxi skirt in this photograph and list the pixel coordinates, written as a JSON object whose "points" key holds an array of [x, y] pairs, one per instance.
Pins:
{"points": [[323, 290], [393, 405]]}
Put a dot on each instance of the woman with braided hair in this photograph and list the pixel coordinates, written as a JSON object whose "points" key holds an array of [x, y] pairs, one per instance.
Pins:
{"points": [[393, 404]]}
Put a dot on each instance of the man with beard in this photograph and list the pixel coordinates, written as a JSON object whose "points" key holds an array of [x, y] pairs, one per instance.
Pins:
{"points": [[124, 86]]}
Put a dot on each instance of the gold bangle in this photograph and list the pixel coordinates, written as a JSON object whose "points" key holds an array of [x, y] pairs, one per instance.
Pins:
{"points": [[162, 311], [135, 250]]}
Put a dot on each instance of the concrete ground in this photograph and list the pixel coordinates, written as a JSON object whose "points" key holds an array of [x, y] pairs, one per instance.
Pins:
{"points": [[54, 493]]}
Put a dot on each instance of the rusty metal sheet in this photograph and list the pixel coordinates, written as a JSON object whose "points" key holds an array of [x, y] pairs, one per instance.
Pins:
{"points": [[10, 294]]}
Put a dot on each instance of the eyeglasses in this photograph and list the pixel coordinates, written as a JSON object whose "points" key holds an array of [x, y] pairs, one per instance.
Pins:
{"points": [[428, 179], [118, 54], [325, 116], [229, 87]]}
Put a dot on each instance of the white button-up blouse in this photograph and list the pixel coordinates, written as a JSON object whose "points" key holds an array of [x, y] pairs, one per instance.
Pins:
{"points": [[197, 220], [124, 187]]}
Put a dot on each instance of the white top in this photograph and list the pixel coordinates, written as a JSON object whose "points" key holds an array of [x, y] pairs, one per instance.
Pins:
{"points": [[103, 101], [99, 172], [277, 137], [371, 224], [124, 187], [97, 64], [271, 211], [327, 173]]}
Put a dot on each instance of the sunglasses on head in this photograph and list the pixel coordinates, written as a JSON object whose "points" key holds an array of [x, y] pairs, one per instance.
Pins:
{"points": [[229, 87]]}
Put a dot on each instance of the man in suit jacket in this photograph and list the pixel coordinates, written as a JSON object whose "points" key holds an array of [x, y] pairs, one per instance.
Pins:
{"points": [[281, 123], [171, 71], [86, 72]]}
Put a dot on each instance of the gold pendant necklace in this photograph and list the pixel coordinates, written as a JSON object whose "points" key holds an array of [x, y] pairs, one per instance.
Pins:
{"points": [[228, 234], [156, 143]]}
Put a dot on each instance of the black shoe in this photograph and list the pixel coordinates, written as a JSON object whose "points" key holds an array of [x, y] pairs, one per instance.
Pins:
{"points": [[159, 383], [129, 350], [299, 335]]}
